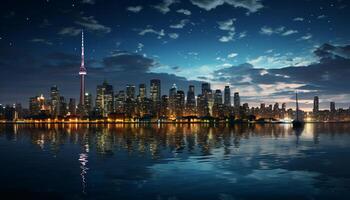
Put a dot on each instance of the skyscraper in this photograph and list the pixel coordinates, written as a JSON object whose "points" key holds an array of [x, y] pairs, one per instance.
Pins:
{"points": [[72, 106], [88, 104], [191, 101], [172, 99], [105, 99], [55, 100], [142, 91], [155, 90], [179, 103], [332, 106], [227, 96], [316, 104], [82, 72], [130, 92], [236, 100]]}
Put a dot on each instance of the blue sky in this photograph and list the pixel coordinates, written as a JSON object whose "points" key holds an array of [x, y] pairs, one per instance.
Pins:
{"points": [[178, 41]]}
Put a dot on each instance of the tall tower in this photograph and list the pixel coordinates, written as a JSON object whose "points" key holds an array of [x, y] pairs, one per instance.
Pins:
{"points": [[82, 72]]}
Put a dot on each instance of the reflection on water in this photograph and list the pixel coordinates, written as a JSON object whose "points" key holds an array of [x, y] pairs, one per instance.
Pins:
{"points": [[183, 161]]}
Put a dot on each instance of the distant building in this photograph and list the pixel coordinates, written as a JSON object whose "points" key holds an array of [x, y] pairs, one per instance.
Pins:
{"points": [[179, 103], [191, 101], [88, 103], [142, 91], [55, 101], [236, 100], [227, 96], [72, 106], [130, 92], [104, 99], [172, 99], [316, 104], [332, 106]]}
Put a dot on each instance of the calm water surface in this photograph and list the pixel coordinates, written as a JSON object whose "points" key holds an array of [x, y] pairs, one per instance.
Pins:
{"points": [[174, 162]]}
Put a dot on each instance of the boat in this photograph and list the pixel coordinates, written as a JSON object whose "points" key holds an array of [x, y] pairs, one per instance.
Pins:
{"points": [[297, 122]]}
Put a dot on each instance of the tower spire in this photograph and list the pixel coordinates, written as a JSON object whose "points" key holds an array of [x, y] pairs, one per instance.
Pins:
{"points": [[82, 71]]}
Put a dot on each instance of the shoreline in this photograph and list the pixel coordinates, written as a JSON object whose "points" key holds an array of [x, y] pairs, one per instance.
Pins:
{"points": [[143, 123]]}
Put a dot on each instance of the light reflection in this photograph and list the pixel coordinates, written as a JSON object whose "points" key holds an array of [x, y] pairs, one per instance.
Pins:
{"points": [[83, 160]]}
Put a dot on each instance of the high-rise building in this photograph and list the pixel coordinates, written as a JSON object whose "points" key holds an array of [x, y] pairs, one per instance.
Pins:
{"points": [[55, 101], [191, 101], [130, 92], [62, 107], [155, 93], [142, 91], [88, 103], [202, 106], [72, 106], [227, 96], [120, 102], [164, 106], [236, 100], [155, 90], [172, 100], [332, 106], [217, 110], [179, 103], [105, 99], [82, 72], [205, 88], [34, 107], [316, 104]]}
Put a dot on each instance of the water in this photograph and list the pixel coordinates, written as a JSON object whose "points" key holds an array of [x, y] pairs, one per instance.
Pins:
{"points": [[173, 162]]}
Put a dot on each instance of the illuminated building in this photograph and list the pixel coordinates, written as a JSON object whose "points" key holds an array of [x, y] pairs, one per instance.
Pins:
{"points": [[164, 106], [72, 106], [104, 99], [191, 101], [55, 101], [130, 92], [88, 104], [155, 93], [227, 96], [142, 91], [120, 102], [172, 99], [82, 72], [62, 107], [179, 103], [236, 100]]}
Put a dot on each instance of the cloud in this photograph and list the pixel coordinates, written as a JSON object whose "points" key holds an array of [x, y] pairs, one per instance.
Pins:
{"points": [[91, 24], [134, 9], [289, 32], [41, 40], [251, 5], [180, 25], [232, 55], [300, 19], [227, 25], [242, 34], [173, 35], [71, 31], [124, 61], [227, 38], [184, 11], [88, 1], [321, 16], [164, 6], [149, 30], [306, 37], [265, 30], [326, 76]]}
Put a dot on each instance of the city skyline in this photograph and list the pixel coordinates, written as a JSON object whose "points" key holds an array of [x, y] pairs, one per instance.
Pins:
{"points": [[265, 61]]}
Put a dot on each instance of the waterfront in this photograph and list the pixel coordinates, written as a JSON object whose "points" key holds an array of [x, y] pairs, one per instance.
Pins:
{"points": [[175, 161]]}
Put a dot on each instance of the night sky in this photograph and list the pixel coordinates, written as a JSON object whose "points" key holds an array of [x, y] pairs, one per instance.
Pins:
{"points": [[264, 49]]}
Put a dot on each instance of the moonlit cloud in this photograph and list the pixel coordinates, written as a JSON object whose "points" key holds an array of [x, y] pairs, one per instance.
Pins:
{"points": [[159, 33], [164, 6], [232, 55], [265, 30], [251, 5], [90, 23], [184, 11], [134, 9], [180, 25], [173, 35], [306, 37], [300, 19]]}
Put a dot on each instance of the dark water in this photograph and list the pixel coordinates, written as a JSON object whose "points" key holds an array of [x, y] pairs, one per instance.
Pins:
{"points": [[173, 162]]}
